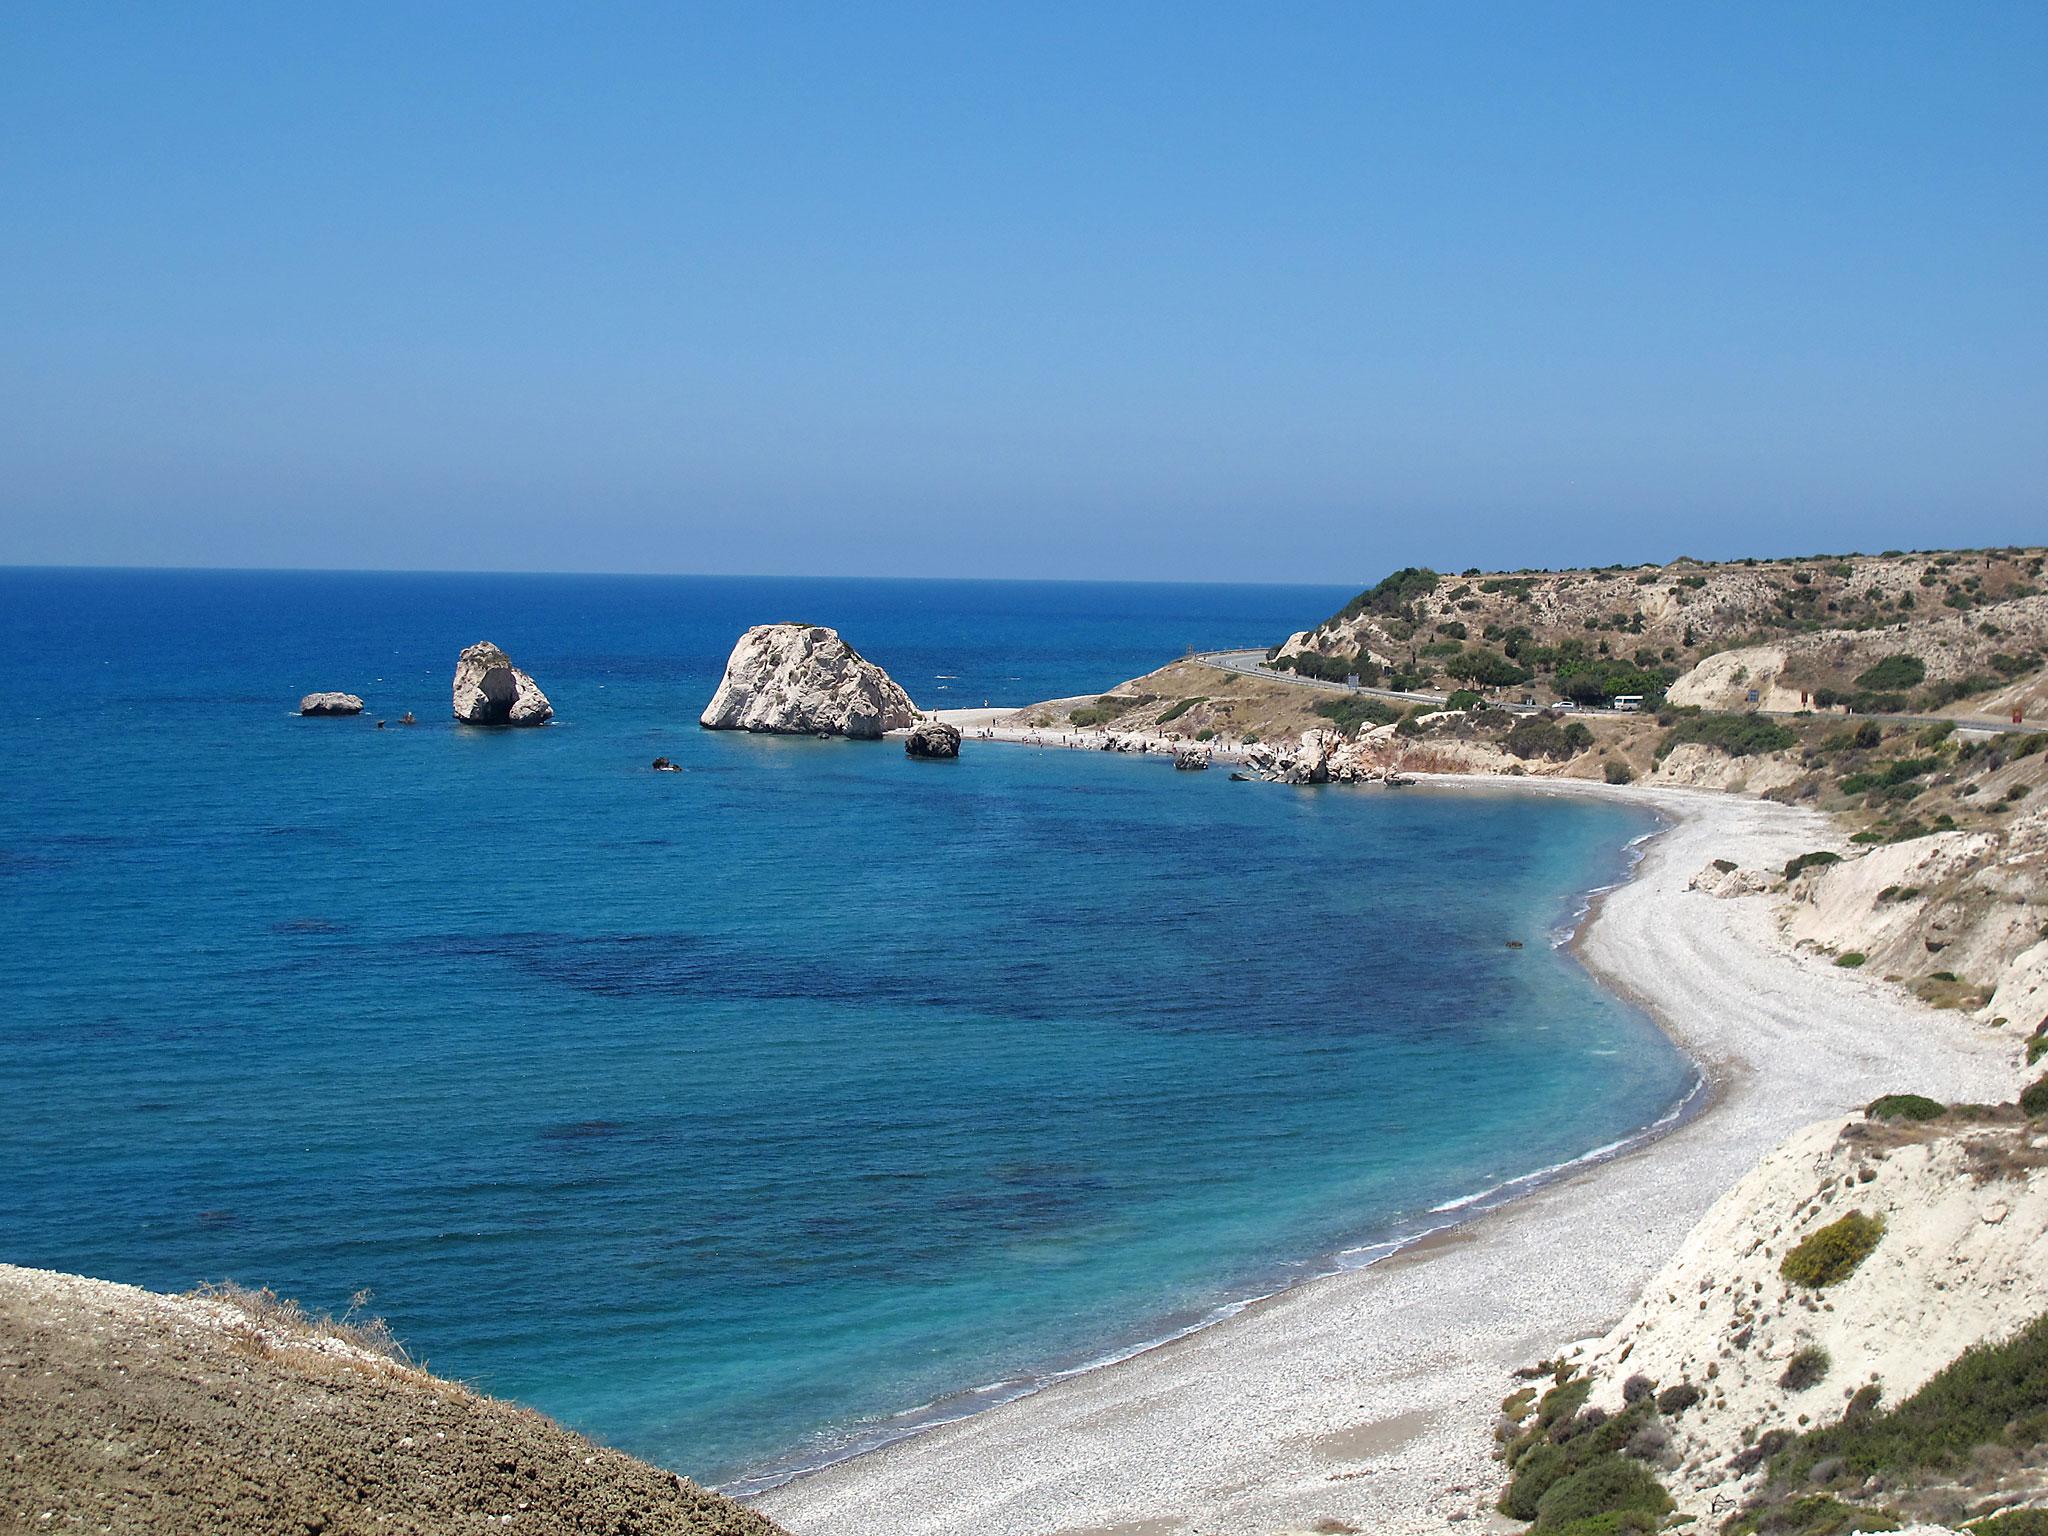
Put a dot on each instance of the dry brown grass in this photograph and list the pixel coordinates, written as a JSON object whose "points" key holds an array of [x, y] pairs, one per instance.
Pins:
{"points": [[274, 1321]]}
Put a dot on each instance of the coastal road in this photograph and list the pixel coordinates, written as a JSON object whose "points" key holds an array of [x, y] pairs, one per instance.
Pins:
{"points": [[1253, 664]]}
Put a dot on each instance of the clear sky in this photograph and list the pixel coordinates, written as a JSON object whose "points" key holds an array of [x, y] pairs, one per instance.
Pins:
{"points": [[1257, 291]]}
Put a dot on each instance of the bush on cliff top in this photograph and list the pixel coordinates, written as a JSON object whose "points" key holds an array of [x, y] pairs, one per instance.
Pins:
{"points": [[1392, 594]]}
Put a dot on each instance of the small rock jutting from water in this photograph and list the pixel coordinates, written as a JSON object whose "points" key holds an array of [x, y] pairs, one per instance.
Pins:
{"points": [[932, 738], [330, 704]]}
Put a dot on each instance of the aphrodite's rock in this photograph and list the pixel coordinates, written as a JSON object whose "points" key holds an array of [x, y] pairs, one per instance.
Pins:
{"points": [[489, 690], [804, 679], [1190, 759], [330, 704], [932, 738]]}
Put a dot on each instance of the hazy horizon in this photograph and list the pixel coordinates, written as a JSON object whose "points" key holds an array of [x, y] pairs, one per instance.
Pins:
{"points": [[1181, 293]]}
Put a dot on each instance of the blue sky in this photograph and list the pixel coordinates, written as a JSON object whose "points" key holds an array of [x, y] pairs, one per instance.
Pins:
{"points": [[1183, 291]]}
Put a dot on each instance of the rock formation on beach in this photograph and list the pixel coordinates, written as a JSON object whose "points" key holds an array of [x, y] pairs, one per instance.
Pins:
{"points": [[330, 704], [802, 679], [932, 738], [1191, 759], [489, 690]]}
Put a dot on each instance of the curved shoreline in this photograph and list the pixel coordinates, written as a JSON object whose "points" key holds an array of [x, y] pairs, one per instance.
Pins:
{"points": [[1285, 1413], [1457, 1213]]}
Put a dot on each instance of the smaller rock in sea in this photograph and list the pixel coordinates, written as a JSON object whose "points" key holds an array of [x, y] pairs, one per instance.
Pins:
{"points": [[932, 738], [330, 704]]}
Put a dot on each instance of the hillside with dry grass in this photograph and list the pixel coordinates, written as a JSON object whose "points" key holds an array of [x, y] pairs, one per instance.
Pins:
{"points": [[126, 1411]]}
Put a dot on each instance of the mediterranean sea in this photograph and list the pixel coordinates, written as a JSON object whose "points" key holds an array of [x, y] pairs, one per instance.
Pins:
{"points": [[748, 1114]]}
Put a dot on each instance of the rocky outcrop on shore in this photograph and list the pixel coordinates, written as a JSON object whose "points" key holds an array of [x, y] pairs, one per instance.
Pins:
{"points": [[1191, 759], [932, 738], [330, 704], [489, 690], [802, 679], [150, 1415], [1319, 757]]}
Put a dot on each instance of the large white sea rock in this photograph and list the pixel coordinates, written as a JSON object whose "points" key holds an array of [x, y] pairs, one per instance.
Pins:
{"points": [[804, 679], [489, 690]]}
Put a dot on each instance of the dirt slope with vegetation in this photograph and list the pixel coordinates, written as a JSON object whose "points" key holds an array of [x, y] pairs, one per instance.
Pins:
{"points": [[126, 1411], [1855, 1338], [1815, 631]]}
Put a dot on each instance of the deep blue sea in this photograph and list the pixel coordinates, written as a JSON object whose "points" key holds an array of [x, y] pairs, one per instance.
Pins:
{"points": [[739, 1115]]}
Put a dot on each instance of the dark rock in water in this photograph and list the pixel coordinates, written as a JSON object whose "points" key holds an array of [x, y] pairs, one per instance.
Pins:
{"points": [[663, 765], [330, 704], [1514, 943], [489, 690], [1241, 778], [932, 738]]}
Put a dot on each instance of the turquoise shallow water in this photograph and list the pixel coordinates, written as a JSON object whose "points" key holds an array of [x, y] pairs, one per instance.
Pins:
{"points": [[740, 1115]]}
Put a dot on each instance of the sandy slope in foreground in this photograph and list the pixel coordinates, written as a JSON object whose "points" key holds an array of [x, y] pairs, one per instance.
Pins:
{"points": [[1368, 1397]]}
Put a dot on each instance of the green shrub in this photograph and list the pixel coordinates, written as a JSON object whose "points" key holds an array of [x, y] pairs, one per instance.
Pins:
{"points": [[1992, 1394], [1182, 708], [1816, 1515], [2034, 1097], [1678, 1398], [1348, 714], [1110, 706], [2014, 1522], [1902, 771], [1892, 674], [1464, 698], [1486, 669], [1618, 773], [1819, 858], [1205, 733], [1904, 1106], [1393, 594], [1609, 1484], [1537, 1470], [1830, 1254], [1621, 1522], [1851, 959], [1737, 735], [1805, 1369]]}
